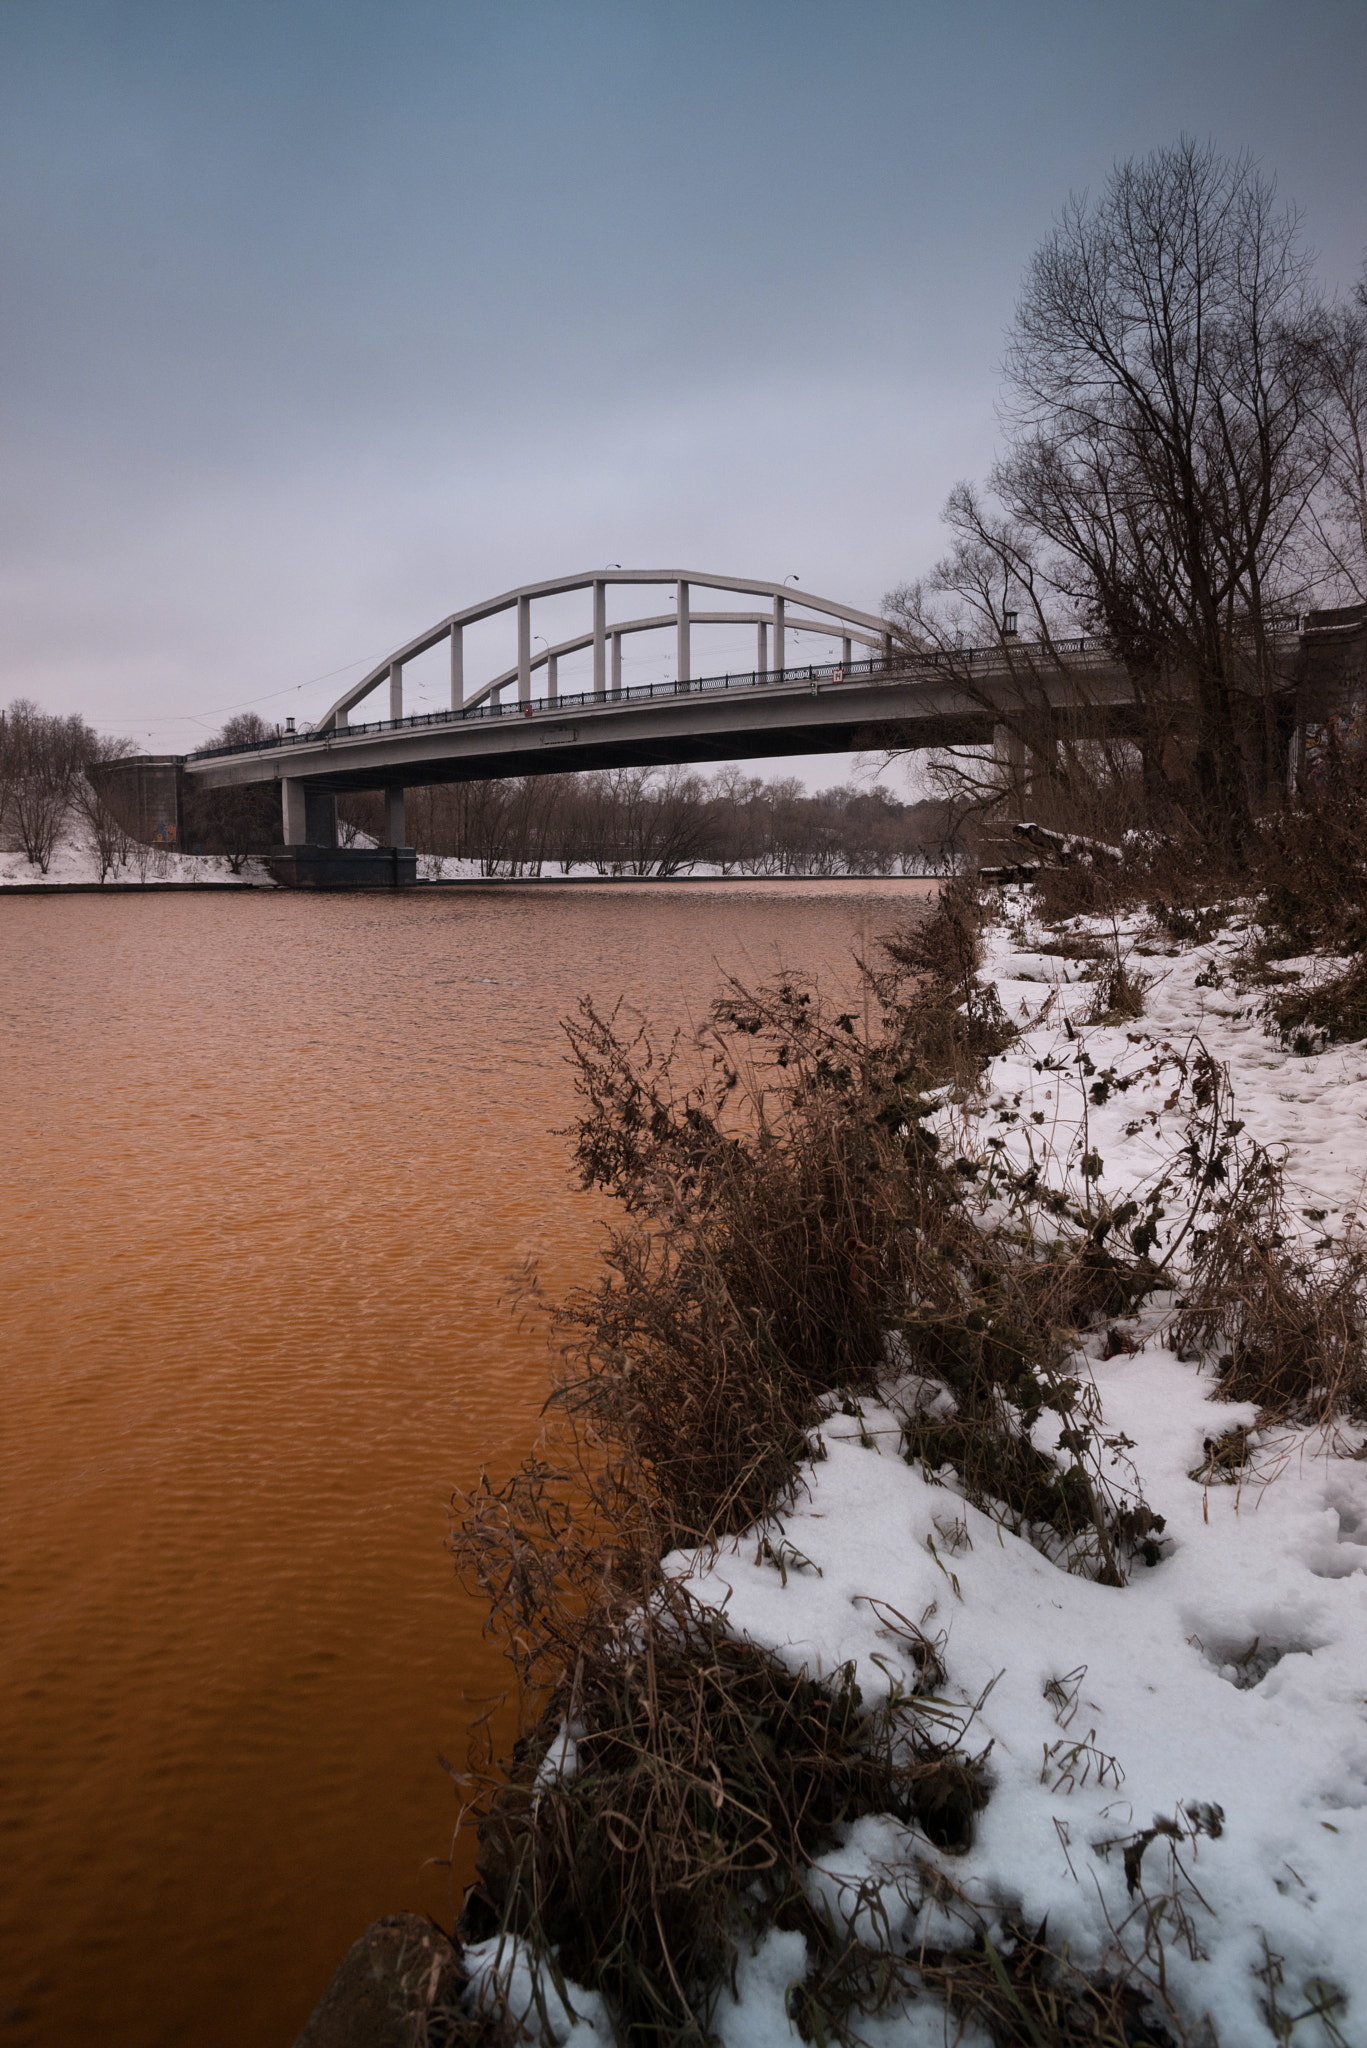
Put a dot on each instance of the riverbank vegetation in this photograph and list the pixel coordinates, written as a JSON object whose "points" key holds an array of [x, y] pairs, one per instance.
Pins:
{"points": [[853, 1233]]}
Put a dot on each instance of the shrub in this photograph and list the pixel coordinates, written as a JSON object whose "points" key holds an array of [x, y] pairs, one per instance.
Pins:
{"points": [[1331, 1011], [1288, 1324], [704, 1776]]}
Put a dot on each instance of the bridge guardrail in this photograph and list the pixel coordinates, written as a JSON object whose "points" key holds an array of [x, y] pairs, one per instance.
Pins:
{"points": [[743, 679]]}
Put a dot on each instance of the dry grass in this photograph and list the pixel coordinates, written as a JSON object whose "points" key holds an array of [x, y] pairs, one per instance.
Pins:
{"points": [[789, 1224], [1332, 1011], [774, 1210], [1120, 991], [1311, 866], [707, 1777], [1287, 1323]]}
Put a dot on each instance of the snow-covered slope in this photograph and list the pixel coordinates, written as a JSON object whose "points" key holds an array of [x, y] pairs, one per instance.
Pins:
{"points": [[1220, 1695]]}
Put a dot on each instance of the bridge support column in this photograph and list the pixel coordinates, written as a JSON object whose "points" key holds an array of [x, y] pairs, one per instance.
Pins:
{"points": [[685, 652], [294, 812], [553, 677], [524, 650], [457, 667], [761, 647], [320, 817], [394, 818], [396, 690], [779, 612], [1009, 755], [846, 650], [600, 626], [616, 664]]}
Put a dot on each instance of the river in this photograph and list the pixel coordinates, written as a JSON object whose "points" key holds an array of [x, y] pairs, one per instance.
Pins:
{"points": [[268, 1163]]}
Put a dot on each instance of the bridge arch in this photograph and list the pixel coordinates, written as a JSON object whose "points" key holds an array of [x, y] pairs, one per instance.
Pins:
{"points": [[788, 610]]}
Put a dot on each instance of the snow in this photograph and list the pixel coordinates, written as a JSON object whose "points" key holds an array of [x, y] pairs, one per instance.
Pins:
{"points": [[1223, 1691], [74, 863]]}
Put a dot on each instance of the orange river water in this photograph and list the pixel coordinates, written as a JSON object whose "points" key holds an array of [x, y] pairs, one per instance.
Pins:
{"points": [[267, 1162]]}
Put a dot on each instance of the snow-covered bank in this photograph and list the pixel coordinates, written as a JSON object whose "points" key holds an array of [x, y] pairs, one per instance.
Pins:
{"points": [[74, 863], [1177, 1766]]}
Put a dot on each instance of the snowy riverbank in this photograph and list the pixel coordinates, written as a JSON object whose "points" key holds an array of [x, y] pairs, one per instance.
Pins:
{"points": [[1177, 1766], [75, 864]]}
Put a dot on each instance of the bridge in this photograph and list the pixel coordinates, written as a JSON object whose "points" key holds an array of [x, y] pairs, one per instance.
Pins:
{"points": [[520, 721]]}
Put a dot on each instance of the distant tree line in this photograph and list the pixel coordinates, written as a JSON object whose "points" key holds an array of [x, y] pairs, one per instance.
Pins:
{"points": [[664, 821]]}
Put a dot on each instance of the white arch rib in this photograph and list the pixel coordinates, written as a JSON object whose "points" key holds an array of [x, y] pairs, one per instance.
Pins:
{"points": [[866, 627]]}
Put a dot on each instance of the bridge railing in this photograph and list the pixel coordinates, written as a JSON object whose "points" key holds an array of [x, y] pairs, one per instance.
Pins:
{"points": [[833, 672]]}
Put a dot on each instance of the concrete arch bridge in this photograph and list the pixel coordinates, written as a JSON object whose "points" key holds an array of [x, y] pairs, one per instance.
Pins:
{"points": [[521, 721]]}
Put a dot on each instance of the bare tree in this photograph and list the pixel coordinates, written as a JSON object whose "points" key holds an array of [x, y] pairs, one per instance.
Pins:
{"points": [[44, 757], [1343, 417], [107, 839], [991, 620], [1163, 396], [245, 729]]}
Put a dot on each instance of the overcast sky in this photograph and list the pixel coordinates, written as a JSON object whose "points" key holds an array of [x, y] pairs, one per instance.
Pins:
{"points": [[321, 318]]}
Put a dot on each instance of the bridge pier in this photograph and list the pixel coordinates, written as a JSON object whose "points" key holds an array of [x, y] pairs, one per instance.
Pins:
{"points": [[320, 817], [394, 818], [294, 812], [1008, 749], [308, 816]]}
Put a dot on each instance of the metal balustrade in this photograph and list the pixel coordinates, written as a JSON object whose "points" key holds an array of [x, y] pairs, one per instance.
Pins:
{"points": [[834, 674]]}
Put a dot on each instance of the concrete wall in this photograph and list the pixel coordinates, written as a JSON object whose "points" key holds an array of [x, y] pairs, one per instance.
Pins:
{"points": [[1333, 663], [145, 794]]}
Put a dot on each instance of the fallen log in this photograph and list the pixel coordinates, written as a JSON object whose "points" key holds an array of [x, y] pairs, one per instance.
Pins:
{"points": [[1067, 847]]}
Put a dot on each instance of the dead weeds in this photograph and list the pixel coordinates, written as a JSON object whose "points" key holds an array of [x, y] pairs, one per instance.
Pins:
{"points": [[790, 1224]]}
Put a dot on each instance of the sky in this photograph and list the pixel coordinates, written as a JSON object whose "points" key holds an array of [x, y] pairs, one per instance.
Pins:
{"points": [[321, 319]]}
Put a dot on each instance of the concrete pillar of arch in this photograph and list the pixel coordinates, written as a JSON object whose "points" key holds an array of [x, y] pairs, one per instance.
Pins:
{"points": [[762, 646], [294, 812], [320, 817], [685, 651], [600, 627], [553, 678], [396, 690], [524, 650], [457, 667], [341, 721], [780, 609], [394, 818], [616, 664], [846, 650], [887, 647]]}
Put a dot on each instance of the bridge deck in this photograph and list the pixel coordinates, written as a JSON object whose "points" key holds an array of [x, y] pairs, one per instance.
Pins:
{"points": [[814, 709]]}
